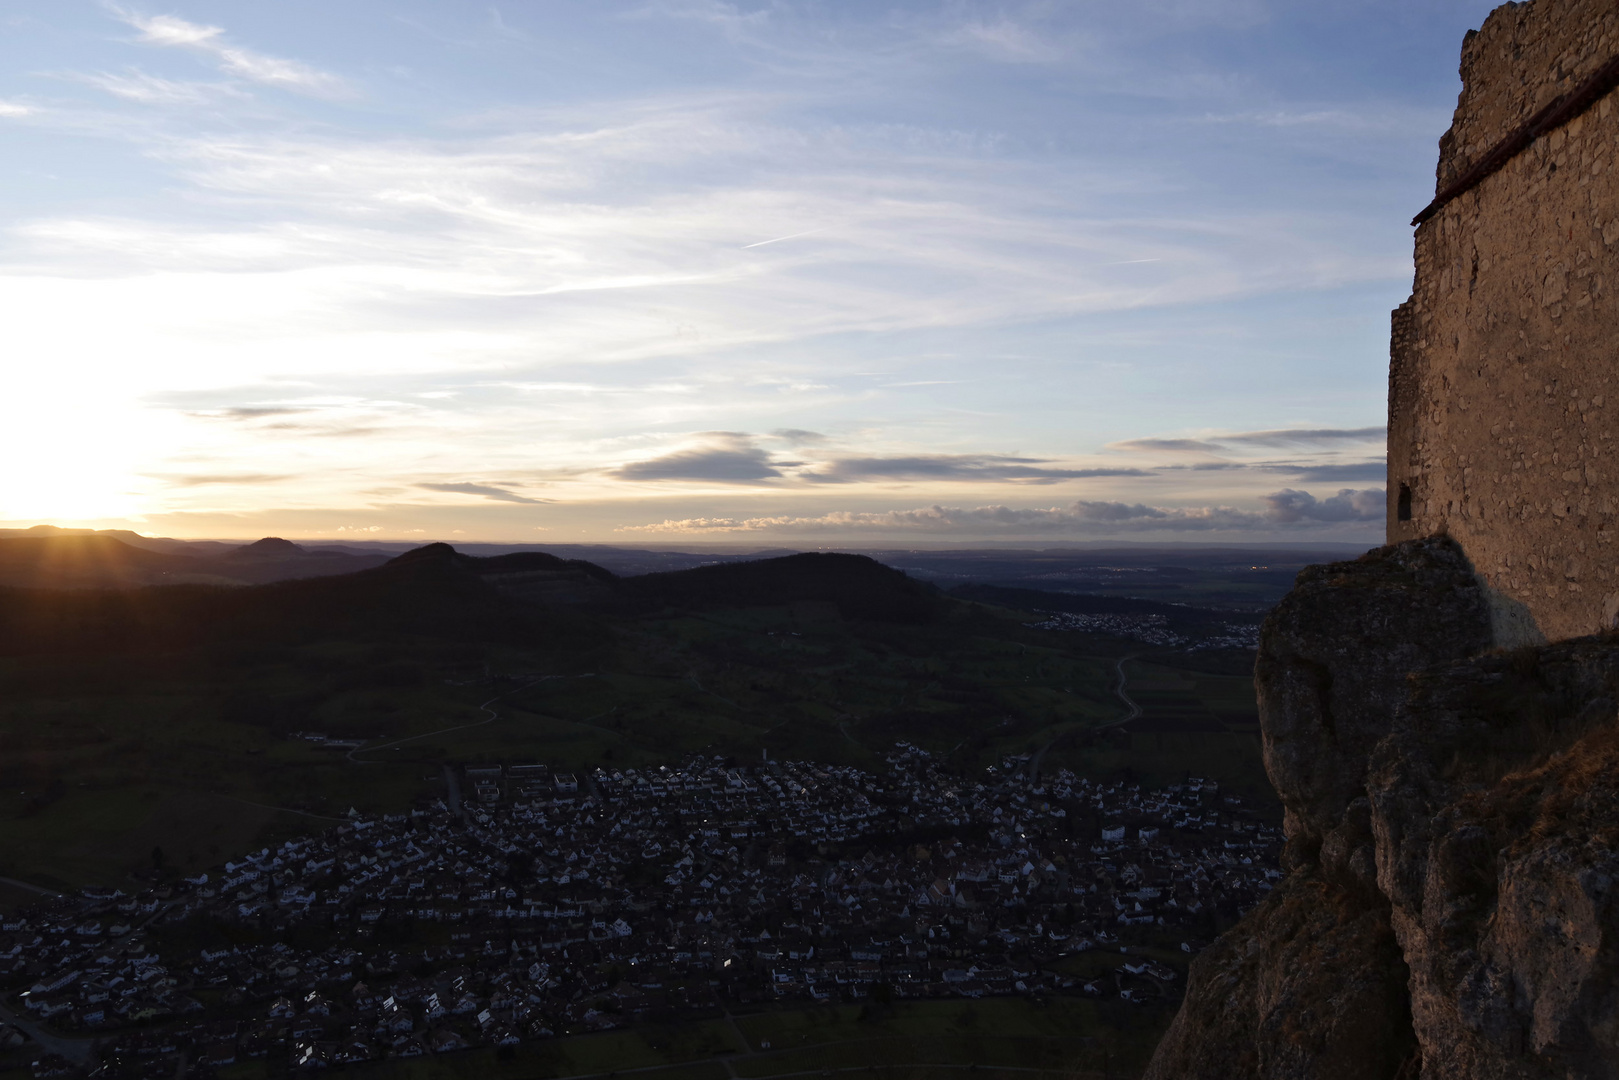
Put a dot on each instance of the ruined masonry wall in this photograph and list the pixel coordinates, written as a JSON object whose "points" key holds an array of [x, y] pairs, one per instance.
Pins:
{"points": [[1504, 365]]}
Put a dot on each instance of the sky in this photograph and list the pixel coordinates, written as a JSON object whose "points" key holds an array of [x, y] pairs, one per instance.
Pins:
{"points": [[777, 272]]}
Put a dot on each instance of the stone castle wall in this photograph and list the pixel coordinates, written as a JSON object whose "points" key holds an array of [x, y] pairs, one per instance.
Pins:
{"points": [[1452, 811], [1504, 366]]}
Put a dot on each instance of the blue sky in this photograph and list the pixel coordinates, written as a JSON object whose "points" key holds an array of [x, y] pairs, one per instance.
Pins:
{"points": [[691, 271]]}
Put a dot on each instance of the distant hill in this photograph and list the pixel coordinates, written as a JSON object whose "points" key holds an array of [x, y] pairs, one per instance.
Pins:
{"points": [[106, 602], [430, 592], [271, 547], [76, 561], [528, 576], [860, 587], [101, 594], [44, 558], [163, 544]]}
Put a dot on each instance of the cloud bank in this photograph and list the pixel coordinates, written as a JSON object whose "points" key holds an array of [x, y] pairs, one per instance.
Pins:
{"points": [[1286, 510], [955, 467], [729, 459], [1274, 438], [915, 245]]}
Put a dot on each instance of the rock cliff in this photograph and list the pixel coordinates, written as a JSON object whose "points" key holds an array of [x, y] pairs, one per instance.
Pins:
{"points": [[1450, 780], [1452, 902]]}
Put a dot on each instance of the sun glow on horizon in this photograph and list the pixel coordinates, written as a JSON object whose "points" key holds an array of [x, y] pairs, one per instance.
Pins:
{"points": [[260, 281]]}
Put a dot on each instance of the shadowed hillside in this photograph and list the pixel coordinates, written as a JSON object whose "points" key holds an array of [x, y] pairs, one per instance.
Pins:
{"points": [[79, 561], [141, 698], [73, 560], [860, 587], [430, 592]]}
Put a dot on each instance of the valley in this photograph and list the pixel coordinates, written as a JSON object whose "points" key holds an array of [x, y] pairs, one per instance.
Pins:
{"points": [[468, 707]]}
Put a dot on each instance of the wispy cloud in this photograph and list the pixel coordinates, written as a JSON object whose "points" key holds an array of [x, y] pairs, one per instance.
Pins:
{"points": [[735, 21], [779, 239], [734, 457], [1005, 39], [487, 491], [138, 86], [1366, 120], [954, 467], [1173, 446], [227, 479], [171, 31], [799, 437], [14, 109], [1358, 470], [1272, 438], [1328, 470], [252, 412], [1306, 436]]}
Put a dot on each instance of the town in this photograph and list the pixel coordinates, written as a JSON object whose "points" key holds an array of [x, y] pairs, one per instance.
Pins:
{"points": [[521, 903], [1152, 630]]}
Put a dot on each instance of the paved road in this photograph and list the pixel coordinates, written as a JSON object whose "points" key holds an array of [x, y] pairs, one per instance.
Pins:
{"points": [[281, 809], [81, 1051], [1134, 711]]}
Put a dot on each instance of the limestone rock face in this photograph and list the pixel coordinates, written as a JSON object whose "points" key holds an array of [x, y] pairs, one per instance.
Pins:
{"points": [[1310, 984], [1495, 804], [1333, 661], [1452, 909]]}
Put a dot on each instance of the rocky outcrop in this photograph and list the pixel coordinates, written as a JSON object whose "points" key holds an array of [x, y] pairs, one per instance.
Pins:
{"points": [[1451, 781], [1332, 668], [1452, 906], [1495, 806], [1310, 984]]}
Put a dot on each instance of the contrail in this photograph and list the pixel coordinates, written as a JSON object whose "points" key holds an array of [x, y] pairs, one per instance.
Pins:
{"points": [[779, 239]]}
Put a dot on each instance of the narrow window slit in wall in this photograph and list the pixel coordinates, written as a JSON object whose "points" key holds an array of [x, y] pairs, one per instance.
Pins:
{"points": [[1402, 508]]}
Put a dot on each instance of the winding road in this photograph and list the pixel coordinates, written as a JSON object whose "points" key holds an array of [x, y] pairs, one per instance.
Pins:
{"points": [[491, 718], [80, 1051], [1129, 703], [14, 883], [278, 809], [1133, 711]]}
